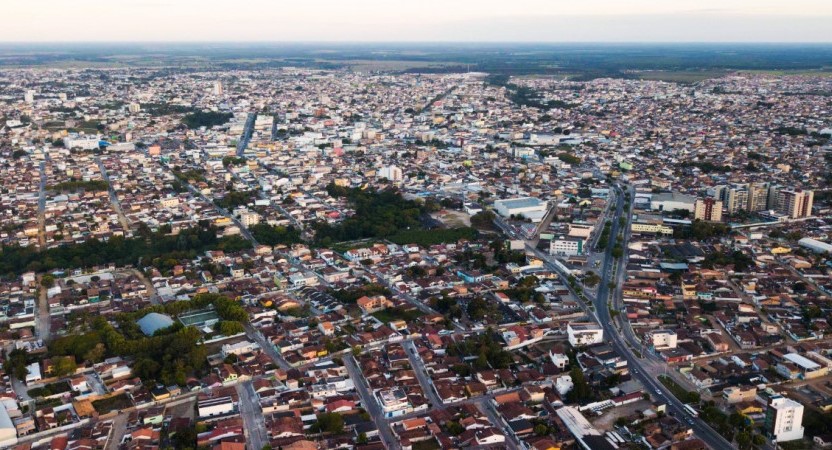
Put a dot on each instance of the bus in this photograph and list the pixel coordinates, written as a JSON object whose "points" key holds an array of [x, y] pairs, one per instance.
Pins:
{"points": [[689, 409]]}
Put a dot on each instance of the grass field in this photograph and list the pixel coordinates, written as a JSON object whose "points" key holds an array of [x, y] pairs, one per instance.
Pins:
{"points": [[391, 314]]}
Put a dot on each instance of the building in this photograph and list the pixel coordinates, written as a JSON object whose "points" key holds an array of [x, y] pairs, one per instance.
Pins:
{"points": [[585, 333], [213, 407], [708, 209], [671, 201], [815, 245], [153, 322], [218, 88], [527, 207], [795, 203], [784, 419], [739, 394], [566, 246], [663, 339], [133, 108], [82, 142], [392, 173], [649, 227], [393, 402], [29, 96], [239, 348], [373, 304], [8, 431]]}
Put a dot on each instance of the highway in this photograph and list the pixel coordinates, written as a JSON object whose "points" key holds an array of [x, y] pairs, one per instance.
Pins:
{"points": [[636, 365]]}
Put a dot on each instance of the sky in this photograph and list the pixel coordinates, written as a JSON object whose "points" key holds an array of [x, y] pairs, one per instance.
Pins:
{"points": [[417, 20]]}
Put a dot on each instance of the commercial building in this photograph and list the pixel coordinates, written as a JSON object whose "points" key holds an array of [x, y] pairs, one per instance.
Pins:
{"points": [[653, 228], [708, 209], [671, 201], [566, 246], [784, 419], [393, 402], [815, 245], [663, 339], [82, 142], [528, 207], [584, 333]]}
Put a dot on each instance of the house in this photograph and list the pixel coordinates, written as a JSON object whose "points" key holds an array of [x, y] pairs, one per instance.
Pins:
{"points": [[373, 304]]}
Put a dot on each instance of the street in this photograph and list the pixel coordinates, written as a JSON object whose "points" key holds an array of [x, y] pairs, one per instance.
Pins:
{"points": [[254, 423], [370, 404]]}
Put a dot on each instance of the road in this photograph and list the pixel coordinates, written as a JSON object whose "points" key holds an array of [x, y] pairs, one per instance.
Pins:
{"points": [[487, 408], [267, 347], [125, 224], [43, 322], [254, 424], [419, 368], [42, 206], [246, 136], [370, 404], [117, 432], [636, 365]]}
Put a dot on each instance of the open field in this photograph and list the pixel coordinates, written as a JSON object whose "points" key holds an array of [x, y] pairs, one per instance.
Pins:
{"points": [[680, 76]]}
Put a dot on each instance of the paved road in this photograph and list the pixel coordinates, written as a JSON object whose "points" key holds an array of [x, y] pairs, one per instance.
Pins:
{"points": [[246, 137], [637, 366], [370, 404], [43, 322], [125, 224], [117, 432], [254, 424], [42, 206], [419, 368], [267, 347], [487, 408]]}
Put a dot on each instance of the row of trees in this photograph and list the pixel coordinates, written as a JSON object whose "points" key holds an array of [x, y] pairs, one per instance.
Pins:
{"points": [[158, 249]]}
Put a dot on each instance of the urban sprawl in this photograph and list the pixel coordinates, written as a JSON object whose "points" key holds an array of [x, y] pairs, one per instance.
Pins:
{"points": [[310, 259]]}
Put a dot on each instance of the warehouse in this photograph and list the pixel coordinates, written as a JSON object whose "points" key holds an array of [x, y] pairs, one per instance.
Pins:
{"points": [[527, 207]]}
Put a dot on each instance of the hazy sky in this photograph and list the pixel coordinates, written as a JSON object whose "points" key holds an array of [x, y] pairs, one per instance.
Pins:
{"points": [[417, 20]]}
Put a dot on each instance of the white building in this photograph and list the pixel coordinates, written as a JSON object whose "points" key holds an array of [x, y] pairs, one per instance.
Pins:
{"points": [[29, 96], [566, 246], [663, 339], [215, 407], [33, 373], [672, 201], [393, 402], [528, 207], [392, 173], [82, 142], [8, 433], [218, 88], [784, 419], [239, 348], [815, 245], [564, 384], [584, 333]]}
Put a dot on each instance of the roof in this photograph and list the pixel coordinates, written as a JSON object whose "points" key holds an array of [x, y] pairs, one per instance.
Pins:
{"points": [[154, 322]]}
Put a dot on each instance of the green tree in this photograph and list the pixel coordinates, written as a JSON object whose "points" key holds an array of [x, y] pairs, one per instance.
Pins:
{"points": [[329, 423]]}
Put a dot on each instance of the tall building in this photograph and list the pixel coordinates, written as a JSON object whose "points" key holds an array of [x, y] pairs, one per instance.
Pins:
{"points": [[784, 419], [757, 197], [134, 108], [29, 96], [392, 173], [735, 198], [218, 88], [795, 203], [708, 209]]}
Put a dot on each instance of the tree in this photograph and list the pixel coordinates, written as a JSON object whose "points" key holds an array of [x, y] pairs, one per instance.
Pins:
{"points": [[362, 438], [64, 366], [329, 423], [541, 429], [96, 354], [580, 391], [47, 281]]}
